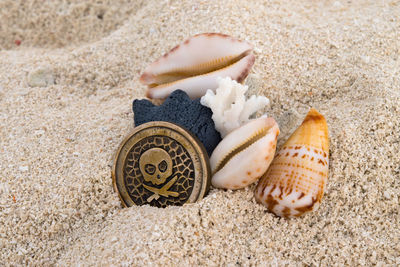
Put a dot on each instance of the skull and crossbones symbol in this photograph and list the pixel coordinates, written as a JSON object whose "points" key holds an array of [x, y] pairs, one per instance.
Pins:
{"points": [[156, 167]]}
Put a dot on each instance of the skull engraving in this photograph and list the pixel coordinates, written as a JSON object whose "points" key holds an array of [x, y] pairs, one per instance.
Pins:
{"points": [[155, 165]]}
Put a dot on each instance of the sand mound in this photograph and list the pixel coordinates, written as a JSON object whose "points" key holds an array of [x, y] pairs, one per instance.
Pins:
{"points": [[55, 24], [63, 112]]}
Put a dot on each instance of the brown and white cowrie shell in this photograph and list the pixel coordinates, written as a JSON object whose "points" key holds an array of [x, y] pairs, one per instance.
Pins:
{"points": [[244, 154], [195, 65], [294, 183]]}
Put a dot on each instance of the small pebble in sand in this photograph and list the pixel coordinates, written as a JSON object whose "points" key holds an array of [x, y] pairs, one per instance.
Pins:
{"points": [[41, 77], [39, 132], [386, 194], [23, 168]]}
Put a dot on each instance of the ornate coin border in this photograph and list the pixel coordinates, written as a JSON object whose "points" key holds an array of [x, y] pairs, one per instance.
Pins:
{"points": [[162, 127]]}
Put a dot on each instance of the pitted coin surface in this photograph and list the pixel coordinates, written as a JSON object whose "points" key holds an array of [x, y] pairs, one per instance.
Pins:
{"points": [[161, 164]]}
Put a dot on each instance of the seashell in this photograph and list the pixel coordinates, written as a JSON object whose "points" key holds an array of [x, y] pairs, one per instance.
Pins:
{"points": [[294, 184], [244, 154], [194, 65]]}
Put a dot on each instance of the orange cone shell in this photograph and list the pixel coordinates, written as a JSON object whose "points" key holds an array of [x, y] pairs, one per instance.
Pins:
{"points": [[295, 181]]}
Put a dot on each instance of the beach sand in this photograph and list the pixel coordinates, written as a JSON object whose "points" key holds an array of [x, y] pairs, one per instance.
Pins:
{"points": [[69, 73]]}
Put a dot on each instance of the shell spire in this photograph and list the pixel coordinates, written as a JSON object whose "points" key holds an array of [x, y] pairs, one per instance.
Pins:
{"points": [[314, 123], [294, 184]]}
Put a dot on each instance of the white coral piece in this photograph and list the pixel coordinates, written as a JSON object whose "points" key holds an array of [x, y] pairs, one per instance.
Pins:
{"points": [[229, 105]]}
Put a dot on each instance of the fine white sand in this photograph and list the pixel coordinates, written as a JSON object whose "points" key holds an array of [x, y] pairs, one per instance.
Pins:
{"points": [[65, 105]]}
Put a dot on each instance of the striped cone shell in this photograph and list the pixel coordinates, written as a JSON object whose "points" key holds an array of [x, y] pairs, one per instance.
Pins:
{"points": [[295, 181]]}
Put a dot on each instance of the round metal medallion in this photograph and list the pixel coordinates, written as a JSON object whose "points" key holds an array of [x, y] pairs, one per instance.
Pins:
{"points": [[161, 164]]}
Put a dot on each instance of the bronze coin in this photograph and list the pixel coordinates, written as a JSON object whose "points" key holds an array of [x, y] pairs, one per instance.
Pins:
{"points": [[161, 164]]}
